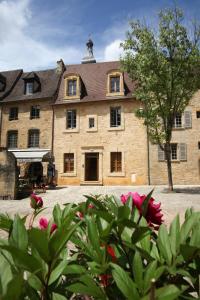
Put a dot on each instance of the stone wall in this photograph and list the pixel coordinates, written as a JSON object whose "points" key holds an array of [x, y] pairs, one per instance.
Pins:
{"points": [[184, 172], [8, 175], [24, 123], [130, 139]]}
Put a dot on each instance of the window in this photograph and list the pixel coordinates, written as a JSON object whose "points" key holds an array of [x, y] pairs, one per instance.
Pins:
{"points": [[174, 152], [198, 145], [29, 88], [13, 113], [114, 84], [12, 139], [115, 162], [198, 114], [178, 152], [68, 162], [71, 119], [71, 87], [115, 116], [91, 122], [178, 121], [35, 112], [33, 138]]}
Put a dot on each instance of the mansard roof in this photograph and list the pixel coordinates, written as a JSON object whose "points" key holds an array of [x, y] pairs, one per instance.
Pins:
{"points": [[94, 81], [49, 80], [10, 78]]}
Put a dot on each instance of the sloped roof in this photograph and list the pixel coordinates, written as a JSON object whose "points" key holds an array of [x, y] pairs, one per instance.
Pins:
{"points": [[94, 81], [49, 80], [11, 78]]}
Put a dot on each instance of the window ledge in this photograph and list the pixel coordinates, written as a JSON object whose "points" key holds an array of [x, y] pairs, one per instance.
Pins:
{"points": [[76, 97], [114, 94], [72, 174], [75, 130], [119, 128], [178, 128], [116, 174], [92, 130]]}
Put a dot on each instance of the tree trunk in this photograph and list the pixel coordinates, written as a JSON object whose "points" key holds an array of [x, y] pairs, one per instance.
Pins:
{"points": [[169, 166]]}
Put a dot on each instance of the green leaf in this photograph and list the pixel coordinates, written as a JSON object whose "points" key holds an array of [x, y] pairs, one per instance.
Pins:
{"points": [[139, 234], [123, 213], [146, 203], [38, 239], [15, 288], [61, 236], [58, 297], [5, 222], [74, 269], [138, 271], [23, 260], [5, 274], [174, 235], [34, 282], [164, 244], [87, 286], [170, 292], [19, 236], [188, 225], [57, 272], [57, 214], [124, 283], [189, 252], [93, 235]]}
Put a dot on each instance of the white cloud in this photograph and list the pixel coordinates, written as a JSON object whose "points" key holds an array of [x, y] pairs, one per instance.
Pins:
{"points": [[18, 49], [113, 50]]}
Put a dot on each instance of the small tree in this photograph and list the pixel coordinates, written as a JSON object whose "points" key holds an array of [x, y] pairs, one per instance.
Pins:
{"points": [[166, 68]]}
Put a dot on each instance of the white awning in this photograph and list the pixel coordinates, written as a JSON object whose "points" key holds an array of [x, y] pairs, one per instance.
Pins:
{"points": [[31, 155]]}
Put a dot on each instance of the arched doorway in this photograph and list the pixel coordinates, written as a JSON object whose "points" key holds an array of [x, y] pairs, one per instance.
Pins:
{"points": [[35, 172]]}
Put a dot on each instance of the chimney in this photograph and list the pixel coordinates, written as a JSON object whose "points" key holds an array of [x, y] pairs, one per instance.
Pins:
{"points": [[60, 67]]}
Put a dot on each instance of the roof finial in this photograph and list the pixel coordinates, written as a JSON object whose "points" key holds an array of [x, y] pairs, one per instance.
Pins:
{"points": [[89, 58]]}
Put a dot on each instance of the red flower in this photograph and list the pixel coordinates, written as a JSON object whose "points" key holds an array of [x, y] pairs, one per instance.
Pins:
{"points": [[80, 214], [104, 279], [111, 252], [153, 214], [91, 206], [36, 202], [43, 223]]}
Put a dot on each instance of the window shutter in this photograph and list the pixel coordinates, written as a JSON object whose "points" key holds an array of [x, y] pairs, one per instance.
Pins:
{"points": [[188, 119], [161, 154], [183, 152]]}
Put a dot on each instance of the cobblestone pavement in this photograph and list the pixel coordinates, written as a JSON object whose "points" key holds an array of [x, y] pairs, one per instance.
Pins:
{"points": [[171, 203]]}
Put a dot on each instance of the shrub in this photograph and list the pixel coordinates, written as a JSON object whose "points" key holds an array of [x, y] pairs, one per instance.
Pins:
{"points": [[102, 248]]}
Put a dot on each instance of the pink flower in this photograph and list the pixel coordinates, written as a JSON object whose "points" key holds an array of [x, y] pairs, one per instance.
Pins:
{"points": [[91, 206], [153, 214], [43, 223], [36, 202]]}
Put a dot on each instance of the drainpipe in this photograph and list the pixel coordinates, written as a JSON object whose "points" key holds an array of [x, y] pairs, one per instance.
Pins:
{"points": [[1, 108], [148, 158]]}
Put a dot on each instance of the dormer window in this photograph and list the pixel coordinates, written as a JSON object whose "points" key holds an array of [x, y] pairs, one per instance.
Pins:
{"points": [[72, 87], [2, 83], [31, 83], [29, 88], [115, 83]]}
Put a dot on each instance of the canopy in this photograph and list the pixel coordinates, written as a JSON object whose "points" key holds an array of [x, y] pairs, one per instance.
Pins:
{"points": [[32, 155]]}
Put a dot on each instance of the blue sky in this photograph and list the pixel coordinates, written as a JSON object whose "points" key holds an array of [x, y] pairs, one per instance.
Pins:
{"points": [[34, 34]]}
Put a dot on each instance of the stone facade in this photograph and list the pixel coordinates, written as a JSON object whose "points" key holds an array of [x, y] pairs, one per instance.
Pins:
{"points": [[25, 123], [188, 170], [130, 140], [8, 175]]}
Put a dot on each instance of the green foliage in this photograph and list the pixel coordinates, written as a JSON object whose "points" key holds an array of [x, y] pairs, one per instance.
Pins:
{"points": [[107, 252]]}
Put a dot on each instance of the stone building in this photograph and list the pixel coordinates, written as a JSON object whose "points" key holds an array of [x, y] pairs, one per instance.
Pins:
{"points": [[82, 118], [27, 118]]}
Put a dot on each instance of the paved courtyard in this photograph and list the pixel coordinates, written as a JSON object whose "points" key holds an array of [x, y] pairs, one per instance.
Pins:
{"points": [[171, 203]]}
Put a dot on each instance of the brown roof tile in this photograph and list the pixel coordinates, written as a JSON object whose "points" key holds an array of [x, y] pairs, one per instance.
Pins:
{"points": [[49, 80], [11, 78], [94, 80]]}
